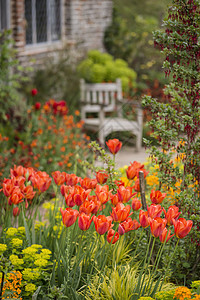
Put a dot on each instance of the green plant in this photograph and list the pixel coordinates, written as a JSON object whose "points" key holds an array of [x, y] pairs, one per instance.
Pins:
{"points": [[176, 124], [101, 67]]}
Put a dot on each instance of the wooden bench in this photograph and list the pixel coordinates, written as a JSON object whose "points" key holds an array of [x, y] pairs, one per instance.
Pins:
{"points": [[101, 99]]}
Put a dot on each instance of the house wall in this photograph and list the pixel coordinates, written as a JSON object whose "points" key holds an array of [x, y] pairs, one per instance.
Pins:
{"points": [[83, 26]]}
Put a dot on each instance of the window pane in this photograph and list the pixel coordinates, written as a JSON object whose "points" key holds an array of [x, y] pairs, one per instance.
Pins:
{"points": [[55, 20], [28, 17], [41, 20], [3, 15]]}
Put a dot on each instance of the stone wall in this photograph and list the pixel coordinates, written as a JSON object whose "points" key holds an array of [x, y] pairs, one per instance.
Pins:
{"points": [[83, 26]]}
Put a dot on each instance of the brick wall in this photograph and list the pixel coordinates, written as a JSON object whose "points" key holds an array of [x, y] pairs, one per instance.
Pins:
{"points": [[83, 26]]}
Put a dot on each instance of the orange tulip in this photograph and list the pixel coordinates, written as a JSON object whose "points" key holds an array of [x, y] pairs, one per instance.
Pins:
{"points": [[110, 235], [171, 214], [84, 221], [125, 193], [17, 171], [80, 194], [120, 212], [128, 225], [90, 207], [114, 145], [28, 192], [157, 197], [101, 177], [16, 211], [102, 223], [114, 199], [154, 211], [88, 183], [131, 172], [144, 219], [165, 235], [157, 226], [59, 177], [71, 179], [16, 196], [137, 186], [182, 227], [8, 187], [69, 216], [136, 204]]}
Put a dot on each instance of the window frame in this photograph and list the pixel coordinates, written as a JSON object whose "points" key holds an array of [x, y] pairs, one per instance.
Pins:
{"points": [[45, 45]]}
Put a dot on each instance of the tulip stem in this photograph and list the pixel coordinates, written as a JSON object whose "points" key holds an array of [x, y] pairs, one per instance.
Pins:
{"points": [[141, 234], [169, 264]]}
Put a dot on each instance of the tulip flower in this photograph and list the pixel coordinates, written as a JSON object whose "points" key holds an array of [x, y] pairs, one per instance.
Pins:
{"points": [[90, 207], [157, 226], [69, 216], [110, 235], [34, 92], [37, 105], [165, 235], [171, 214], [137, 186], [157, 197], [182, 227], [71, 179], [102, 223], [28, 192], [88, 183], [136, 204], [114, 199], [17, 171], [84, 221], [154, 211], [16, 196], [16, 211], [144, 219], [125, 193], [101, 177], [131, 172], [128, 225], [114, 146], [120, 212], [59, 177]]}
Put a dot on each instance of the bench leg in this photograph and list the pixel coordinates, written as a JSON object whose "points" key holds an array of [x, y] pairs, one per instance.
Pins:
{"points": [[101, 138], [138, 142]]}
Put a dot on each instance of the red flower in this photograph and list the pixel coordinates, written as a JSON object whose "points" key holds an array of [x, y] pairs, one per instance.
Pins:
{"points": [[34, 92], [69, 216], [144, 219], [102, 223], [157, 197], [59, 178], [125, 193], [110, 235], [136, 204], [157, 226], [120, 213], [171, 214], [101, 177], [91, 206], [114, 145], [84, 221], [128, 225], [154, 211], [131, 172], [37, 105], [137, 185], [165, 236], [16, 211], [182, 227]]}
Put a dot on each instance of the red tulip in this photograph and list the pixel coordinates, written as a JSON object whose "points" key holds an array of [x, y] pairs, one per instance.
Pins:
{"points": [[16, 211], [88, 183], [28, 192], [136, 204], [84, 221], [110, 235], [37, 105], [125, 193], [120, 213], [157, 197], [144, 219], [154, 211], [114, 199], [34, 92], [16, 196], [131, 172], [101, 177], [71, 179], [90, 207], [165, 235], [157, 226], [69, 216], [137, 185], [102, 223], [59, 177], [182, 227], [128, 225], [171, 214], [114, 145]]}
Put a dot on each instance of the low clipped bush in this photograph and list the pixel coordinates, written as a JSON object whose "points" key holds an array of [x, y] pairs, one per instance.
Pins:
{"points": [[100, 67]]}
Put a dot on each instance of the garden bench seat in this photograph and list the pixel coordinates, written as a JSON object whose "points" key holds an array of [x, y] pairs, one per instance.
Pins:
{"points": [[102, 111]]}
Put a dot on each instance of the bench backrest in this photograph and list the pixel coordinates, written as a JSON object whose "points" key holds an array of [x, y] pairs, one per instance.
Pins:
{"points": [[94, 96]]}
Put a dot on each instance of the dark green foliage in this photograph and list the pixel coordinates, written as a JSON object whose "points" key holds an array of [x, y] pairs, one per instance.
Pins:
{"points": [[176, 124]]}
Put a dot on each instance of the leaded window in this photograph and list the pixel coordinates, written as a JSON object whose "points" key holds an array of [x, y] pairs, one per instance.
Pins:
{"points": [[43, 21]]}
